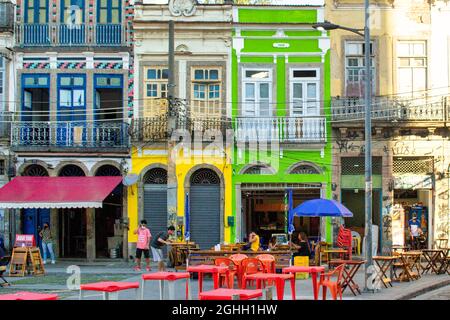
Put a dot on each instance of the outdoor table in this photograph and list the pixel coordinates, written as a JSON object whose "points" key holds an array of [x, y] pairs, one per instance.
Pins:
{"points": [[384, 264], [278, 278], [230, 294], [347, 276], [330, 252], [24, 295], [407, 261], [203, 268], [413, 258], [171, 278], [311, 270], [435, 259], [396, 248], [110, 289]]}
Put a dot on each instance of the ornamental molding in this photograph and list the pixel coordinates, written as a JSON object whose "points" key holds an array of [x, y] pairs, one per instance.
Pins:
{"points": [[186, 8]]}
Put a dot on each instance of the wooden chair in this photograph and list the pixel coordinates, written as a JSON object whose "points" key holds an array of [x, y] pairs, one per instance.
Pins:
{"points": [[251, 266], [229, 276], [335, 287]]}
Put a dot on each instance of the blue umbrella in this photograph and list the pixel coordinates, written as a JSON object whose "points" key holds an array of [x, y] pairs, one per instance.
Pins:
{"points": [[187, 234], [322, 208], [291, 227]]}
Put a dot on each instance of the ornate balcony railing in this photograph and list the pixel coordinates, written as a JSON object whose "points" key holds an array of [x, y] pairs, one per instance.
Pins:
{"points": [[60, 34], [70, 134], [283, 129], [391, 108]]}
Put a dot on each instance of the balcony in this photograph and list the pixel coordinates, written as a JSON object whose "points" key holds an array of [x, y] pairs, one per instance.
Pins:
{"points": [[282, 129], [73, 136], [5, 125], [72, 35], [426, 109]]}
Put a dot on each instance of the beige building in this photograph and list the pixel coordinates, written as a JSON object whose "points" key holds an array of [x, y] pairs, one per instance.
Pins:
{"points": [[410, 72]]}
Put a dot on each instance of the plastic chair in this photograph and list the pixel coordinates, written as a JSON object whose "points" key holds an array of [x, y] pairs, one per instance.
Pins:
{"points": [[250, 266], [357, 238], [237, 259], [232, 272], [269, 262], [335, 287]]}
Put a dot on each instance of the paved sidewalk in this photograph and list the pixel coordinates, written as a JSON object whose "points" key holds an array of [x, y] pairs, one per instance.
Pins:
{"points": [[56, 278]]}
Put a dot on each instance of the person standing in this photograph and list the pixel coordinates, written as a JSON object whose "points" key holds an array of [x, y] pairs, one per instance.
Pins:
{"points": [[142, 246], [414, 231], [160, 240], [47, 243]]}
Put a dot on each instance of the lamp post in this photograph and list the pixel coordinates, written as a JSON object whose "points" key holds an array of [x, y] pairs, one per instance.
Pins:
{"points": [[368, 129]]}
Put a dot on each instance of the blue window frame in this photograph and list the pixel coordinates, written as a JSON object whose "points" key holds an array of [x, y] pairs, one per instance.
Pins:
{"points": [[32, 81], [71, 97], [36, 11], [109, 11]]}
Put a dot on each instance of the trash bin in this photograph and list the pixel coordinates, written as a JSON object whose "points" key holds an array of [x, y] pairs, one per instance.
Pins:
{"points": [[300, 261]]}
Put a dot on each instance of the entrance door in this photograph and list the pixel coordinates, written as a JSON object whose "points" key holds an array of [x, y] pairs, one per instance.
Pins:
{"points": [[205, 208], [33, 222], [73, 233], [155, 200]]}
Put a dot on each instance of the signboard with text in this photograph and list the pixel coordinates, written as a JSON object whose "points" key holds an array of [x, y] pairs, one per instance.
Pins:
{"points": [[25, 240]]}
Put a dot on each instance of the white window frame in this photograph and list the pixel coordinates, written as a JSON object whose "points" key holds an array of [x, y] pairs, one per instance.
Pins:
{"points": [[3, 84], [412, 56], [304, 81], [256, 82], [360, 57]]}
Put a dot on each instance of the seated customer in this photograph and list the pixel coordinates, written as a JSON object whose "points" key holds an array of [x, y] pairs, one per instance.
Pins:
{"points": [[253, 242], [302, 247], [273, 244]]}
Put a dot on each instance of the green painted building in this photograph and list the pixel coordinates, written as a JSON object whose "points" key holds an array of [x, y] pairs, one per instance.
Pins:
{"points": [[281, 116]]}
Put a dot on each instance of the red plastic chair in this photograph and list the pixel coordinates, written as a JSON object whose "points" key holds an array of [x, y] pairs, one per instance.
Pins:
{"points": [[269, 262], [237, 259], [250, 266], [345, 240], [229, 276], [335, 287]]}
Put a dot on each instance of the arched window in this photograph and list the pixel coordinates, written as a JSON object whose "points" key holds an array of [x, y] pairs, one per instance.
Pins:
{"points": [[156, 176], [205, 176], [305, 168], [35, 170], [71, 170], [107, 171], [259, 169]]}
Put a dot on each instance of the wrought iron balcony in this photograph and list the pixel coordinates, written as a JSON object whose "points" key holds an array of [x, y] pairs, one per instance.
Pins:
{"points": [[282, 129], [39, 134], [390, 108], [60, 34]]}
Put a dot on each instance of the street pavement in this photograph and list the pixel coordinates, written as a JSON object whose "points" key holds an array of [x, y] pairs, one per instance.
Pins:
{"points": [[62, 273], [439, 294]]}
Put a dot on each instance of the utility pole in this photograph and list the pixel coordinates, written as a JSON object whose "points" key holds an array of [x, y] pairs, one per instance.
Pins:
{"points": [[171, 127], [368, 146]]}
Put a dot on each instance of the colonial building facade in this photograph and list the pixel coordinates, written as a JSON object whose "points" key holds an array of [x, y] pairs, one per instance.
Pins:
{"points": [[410, 83]]}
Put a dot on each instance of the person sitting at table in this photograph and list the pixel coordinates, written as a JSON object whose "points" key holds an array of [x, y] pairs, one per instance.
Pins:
{"points": [[253, 242], [302, 247], [414, 231], [273, 244]]}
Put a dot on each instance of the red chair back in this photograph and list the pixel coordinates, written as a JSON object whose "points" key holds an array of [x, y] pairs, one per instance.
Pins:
{"points": [[251, 266], [238, 257], [225, 262], [344, 240], [268, 260]]}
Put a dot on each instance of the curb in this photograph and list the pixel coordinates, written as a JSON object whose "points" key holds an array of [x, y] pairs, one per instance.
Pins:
{"points": [[424, 290]]}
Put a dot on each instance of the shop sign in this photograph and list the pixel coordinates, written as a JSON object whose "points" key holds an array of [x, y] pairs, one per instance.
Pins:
{"points": [[413, 182], [25, 240]]}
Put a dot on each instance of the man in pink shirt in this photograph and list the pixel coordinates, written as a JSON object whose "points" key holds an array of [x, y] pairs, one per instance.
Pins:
{"points": [[142, 246]]}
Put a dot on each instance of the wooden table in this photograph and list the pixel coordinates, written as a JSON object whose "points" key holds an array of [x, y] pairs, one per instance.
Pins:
{"points": [[231, 294], [171, 278], [399, 249], [110, 289], [436, 260], [202, 269], [278, 278], [384, 264], [311, 270], [348, 274], [24, 295], [407, 261], [330, 252]]}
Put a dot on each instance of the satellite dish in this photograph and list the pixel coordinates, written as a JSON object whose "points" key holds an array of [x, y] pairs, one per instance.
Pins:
{"points": [[130, 179]]}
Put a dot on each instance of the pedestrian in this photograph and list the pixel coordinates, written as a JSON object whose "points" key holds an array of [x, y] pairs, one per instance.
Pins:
{"points": [[303, 249], [142, 246], [47, 243], [159, 241], [414, 231]]}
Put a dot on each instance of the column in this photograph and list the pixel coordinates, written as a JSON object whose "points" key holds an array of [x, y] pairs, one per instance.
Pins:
{"points": [[90, 233]]}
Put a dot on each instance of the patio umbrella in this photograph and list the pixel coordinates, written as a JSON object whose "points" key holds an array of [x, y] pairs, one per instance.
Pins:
{"points": [[322, 208], [291, 227], [187, 234]]}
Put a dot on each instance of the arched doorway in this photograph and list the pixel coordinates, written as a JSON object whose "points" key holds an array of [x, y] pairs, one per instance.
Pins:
{"points": [[73, 222], [33, 219], [155, 199], [205, 208], [106, 237]]}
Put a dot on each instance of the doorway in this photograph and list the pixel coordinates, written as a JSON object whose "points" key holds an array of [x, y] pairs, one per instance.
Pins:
{"points": [[72, 233]]}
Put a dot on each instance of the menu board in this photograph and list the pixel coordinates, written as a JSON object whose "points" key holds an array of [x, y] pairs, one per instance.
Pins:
{"points": [[25, 240]]}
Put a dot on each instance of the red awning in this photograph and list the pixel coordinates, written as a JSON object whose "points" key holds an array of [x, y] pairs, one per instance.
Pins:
{"points": [[57, 192]]}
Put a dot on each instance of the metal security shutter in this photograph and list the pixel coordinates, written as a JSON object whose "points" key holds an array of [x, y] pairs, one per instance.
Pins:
{"points": [[155, 207], [205, 208], [205, 215]]}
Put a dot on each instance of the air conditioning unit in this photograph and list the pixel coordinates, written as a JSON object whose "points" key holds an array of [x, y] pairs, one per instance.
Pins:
{"points": [[6, 16]]}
